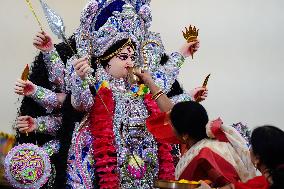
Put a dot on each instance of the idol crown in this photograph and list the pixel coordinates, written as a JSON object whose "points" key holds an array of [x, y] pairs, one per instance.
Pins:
{"points": [[190, 33]]}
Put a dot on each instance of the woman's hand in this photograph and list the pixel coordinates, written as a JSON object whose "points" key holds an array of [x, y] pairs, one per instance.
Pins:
{"points": [[145, 77], [199, 94], [188, 49], [43, 42], [82, 67], [25, 88], [164, 103], [25, 124]]}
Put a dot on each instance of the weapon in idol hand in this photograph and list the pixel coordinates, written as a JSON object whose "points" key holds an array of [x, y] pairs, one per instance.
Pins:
{"points": [[201, 94], [24, 77]]}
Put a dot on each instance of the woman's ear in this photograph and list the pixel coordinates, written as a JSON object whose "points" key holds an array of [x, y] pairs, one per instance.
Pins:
{"points": [[184, 138], [256, 160]]}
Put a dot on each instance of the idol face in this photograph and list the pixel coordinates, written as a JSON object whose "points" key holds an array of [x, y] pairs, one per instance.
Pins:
{"points": [[118, 65]]}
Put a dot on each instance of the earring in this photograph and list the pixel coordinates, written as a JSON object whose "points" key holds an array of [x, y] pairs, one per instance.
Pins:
{"points": [[255, 165], [184, 138]]}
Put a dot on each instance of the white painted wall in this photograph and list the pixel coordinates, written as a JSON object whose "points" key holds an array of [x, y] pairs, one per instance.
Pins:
{"points": [[241, 46]]}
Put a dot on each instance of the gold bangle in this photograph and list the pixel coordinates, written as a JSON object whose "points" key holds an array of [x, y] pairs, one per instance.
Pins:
{"points": [[155, 95], [159, 95]]}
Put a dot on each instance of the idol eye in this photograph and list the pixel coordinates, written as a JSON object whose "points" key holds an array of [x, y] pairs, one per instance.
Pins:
{"points": [[122, 57], [133, 58]]}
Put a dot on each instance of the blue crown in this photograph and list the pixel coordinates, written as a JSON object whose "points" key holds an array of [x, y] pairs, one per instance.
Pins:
{"points": [[105, 22], [108, 7]]}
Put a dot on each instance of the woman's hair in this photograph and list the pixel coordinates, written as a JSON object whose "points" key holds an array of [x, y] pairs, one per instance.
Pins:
{"points": [[190, 118], [268, 144]]}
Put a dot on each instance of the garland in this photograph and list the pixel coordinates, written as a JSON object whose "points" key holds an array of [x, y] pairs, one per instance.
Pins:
{"points": [[101, 120], [105, 155], [139, 90], [166, 160], [135, 89]]}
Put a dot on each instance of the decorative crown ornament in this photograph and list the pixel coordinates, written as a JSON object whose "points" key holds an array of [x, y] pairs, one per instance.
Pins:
{"points": [[190, 34], [122, 25], [104, 19]]}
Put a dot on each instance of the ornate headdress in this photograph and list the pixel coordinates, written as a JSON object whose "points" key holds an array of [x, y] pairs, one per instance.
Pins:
{"points": [[103, 23], [127, 43]]}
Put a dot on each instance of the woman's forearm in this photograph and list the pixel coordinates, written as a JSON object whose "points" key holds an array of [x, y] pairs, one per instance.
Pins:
{"points": [[164, 103]]}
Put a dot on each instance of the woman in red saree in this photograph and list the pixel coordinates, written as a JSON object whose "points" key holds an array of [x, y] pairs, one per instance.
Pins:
{"points": [[267, 154], [214, 152]]}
